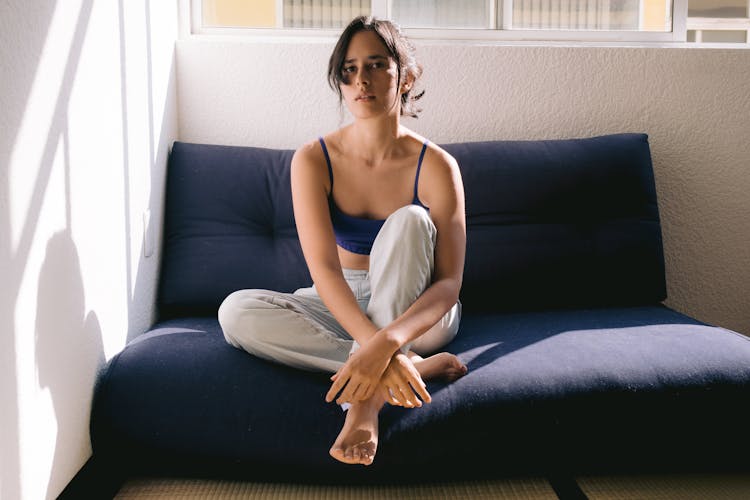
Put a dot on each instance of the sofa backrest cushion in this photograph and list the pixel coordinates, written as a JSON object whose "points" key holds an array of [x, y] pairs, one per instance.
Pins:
{"points": [[561, 223], [228, 225], [553, 223]]}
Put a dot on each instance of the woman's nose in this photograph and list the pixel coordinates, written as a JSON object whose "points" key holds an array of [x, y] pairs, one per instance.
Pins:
{"points": [[363, 78]]}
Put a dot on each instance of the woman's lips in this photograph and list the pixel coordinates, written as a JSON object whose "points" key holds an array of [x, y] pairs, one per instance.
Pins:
{"points": [[365, 97]]}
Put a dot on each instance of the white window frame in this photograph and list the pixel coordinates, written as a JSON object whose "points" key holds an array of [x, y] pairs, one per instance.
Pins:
{"points": [[381, 8]]}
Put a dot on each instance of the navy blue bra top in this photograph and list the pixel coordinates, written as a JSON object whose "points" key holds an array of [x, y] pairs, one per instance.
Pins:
{"points": [[357, 234]]}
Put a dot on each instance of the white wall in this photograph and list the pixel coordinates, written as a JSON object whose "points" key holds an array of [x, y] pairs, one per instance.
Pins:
{"points": [[694, 104], [88, 111]]}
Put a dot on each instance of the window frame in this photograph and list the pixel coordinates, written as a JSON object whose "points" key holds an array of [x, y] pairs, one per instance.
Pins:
{"points": [[381, 8]]}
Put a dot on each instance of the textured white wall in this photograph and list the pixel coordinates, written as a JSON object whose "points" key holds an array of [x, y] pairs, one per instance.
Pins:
{"points": [[693, 103], [88, 111]]}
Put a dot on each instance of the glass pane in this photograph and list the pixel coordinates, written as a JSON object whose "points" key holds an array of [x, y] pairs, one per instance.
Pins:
{"points": [[718, 8], [239, 13], [718, 21], [323, 14], [441, 13], [593, 15], [293, 13], [724, 36]]}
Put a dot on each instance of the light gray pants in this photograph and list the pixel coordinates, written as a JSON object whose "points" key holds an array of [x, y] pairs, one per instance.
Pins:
{"points": [[297, 329]]}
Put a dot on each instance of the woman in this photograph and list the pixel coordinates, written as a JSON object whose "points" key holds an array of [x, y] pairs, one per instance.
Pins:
{"points": [[380, 217]]}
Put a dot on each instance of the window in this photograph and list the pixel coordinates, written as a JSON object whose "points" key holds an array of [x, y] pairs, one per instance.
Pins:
{"points": [[718, 21], [602, 15], [585, 20], [310, 14]]}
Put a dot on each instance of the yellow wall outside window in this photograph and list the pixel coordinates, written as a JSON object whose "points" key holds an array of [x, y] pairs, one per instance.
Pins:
{"points": [[656, 16], [240, 13]]}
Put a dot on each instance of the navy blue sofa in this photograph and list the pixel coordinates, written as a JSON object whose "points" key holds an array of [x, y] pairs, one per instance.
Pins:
{"points": [[575, 365]]}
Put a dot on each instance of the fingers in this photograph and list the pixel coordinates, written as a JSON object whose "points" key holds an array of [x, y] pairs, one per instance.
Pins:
{"points": [[351, 391], [398, 392], [366, 393], [362, 392], [400, 385], [339, 381], [347, 395], [387, 395], [407, 397], [421, 389], [410, 383]]}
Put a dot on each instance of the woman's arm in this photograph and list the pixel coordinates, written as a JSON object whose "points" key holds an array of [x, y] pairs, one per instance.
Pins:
{"points": [[441, 189], [362, 371], [310, 186]]}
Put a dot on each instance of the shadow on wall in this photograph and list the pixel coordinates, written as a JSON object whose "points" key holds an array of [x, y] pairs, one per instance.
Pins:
{"points": [[68, 340], [69, 349], [143, 287], [33, 21]]}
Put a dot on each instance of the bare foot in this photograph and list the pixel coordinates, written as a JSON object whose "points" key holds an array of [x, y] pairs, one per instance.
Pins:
{"points": [[441, 366], [358, 439]]}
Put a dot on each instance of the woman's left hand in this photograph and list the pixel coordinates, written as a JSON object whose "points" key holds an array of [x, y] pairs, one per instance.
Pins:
{"points": [[401, 384], [360, 376]]}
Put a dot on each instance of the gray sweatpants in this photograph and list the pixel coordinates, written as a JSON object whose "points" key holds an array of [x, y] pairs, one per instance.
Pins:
{"points": [[298, 330]]}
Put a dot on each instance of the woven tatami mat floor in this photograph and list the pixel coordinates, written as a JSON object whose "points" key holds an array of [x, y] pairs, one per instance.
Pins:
{"points": [[667, 487], [662, 487], [526, 488]]}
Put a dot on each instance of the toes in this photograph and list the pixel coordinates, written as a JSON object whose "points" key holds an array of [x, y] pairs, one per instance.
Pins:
{"points": [[338, 454], [366, 453], [360, 454], [342, 455]]}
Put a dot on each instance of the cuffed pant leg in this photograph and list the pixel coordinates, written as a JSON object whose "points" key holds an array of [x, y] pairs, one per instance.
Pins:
{"points": [[293, 329], [402, 262]]}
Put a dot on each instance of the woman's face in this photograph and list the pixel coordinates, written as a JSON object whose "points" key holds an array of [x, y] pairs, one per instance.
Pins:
{"points": [[371, 77]]}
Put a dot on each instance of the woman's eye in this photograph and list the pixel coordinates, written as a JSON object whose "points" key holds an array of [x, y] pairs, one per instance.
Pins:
{"points": [[348, 69]]}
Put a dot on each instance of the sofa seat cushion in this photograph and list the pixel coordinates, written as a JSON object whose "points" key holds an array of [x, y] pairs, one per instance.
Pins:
{"points": [[592, 389]]}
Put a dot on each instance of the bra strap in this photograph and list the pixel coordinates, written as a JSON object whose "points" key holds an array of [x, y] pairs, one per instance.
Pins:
{"points": [[419, 167], [328, 160]]}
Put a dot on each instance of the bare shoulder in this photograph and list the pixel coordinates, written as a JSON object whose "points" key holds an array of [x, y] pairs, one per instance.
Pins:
{"points": [[440, 176], [310, 152], [438, 158], [309, 163]]}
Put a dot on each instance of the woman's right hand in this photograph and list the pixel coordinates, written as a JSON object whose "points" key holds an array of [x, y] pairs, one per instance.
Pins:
{"points": [[401, 384]]}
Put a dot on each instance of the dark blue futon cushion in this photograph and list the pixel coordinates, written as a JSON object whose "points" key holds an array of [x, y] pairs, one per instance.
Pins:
{"points": [[639, 388], [228, 225], [549, 224], [560, 223]]}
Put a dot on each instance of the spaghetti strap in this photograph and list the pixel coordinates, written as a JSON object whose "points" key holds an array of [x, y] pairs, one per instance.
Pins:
{"points": [[416, 177], [328, 160]]}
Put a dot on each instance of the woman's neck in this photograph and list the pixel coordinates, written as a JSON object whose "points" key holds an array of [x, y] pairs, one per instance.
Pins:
{"points": [[374, 140]]}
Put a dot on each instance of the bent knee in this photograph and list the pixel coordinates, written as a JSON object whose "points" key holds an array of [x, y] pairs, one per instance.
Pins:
{"points": [[414, 220], [411, 213], [239, 316]]}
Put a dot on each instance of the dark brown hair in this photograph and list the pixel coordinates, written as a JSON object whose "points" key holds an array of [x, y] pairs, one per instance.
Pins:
{"points": [[399, 48]]}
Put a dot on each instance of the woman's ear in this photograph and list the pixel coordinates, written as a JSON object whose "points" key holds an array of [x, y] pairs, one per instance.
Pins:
{"points": [[408, 82]]}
